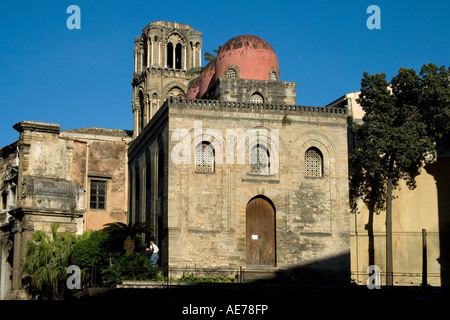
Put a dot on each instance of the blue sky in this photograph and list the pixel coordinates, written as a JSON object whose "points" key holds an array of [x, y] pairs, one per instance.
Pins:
{"points": [[81, 78]]}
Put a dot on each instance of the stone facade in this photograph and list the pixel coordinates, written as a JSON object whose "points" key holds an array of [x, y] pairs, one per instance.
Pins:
{"points": [[196, 172], [46, 178], [203, 214]]}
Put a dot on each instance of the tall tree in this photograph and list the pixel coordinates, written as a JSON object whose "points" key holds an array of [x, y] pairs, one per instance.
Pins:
{"points": [[435, 103], [393, 144]]}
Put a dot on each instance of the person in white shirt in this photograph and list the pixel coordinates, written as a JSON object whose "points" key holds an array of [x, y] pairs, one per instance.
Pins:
{"points": [[153, 251]]}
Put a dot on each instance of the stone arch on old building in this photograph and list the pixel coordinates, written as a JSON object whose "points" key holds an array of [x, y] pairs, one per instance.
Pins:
{"points": [[176, 50], [318, 140], [175, 90], [260, 232], [142, 111], [326, 207]]}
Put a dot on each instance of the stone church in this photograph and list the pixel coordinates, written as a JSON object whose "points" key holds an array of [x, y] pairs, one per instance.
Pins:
{"points": [[230, 171], [228, 168]]}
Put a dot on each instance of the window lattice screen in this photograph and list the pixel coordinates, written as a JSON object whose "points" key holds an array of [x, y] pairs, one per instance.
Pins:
{"points": [[231, 73], [256, 98], [313, 163], [259, 160], [204, 157]]}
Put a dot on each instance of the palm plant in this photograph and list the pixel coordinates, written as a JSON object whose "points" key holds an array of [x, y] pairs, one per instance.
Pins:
{"points": [[126, 234], [47, 260], [198, 70]]}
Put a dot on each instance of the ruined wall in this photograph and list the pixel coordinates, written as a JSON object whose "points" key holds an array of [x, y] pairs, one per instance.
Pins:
{"points": [[100, 155]]}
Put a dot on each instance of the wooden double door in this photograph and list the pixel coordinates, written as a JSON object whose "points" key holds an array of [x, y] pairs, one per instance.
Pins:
{"points": [[260, 232]]}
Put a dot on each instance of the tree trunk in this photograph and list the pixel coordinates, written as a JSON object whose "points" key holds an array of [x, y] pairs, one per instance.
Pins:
{"points": [[128, 245], [389, 262]]}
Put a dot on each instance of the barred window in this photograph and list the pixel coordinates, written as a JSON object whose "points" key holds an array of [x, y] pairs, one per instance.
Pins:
{"points": [[273, 76], [98, 195], [259, 159], [204, 157], [231, 73], [313, 163], [256, 98]]}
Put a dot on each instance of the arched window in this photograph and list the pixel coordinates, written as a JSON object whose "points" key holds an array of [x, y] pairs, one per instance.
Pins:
{"points": [[175, 92], [142, 110], [256, 98], [259, 159], [273, 76], [160, 170], [137, 196], [313, 163], [204, 157], [231, 73], [178, 49], [148, 189], [169, 55]]}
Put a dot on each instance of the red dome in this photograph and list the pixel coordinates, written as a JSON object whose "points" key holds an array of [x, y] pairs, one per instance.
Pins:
{"points": [[254, 58], [194, 88], [206, 77]]}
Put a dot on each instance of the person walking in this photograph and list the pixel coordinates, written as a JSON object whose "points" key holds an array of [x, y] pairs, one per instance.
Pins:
{"points": [[153, 251]]}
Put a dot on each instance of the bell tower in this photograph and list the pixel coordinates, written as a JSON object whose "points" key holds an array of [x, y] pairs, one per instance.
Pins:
{"points": [[163, 55]]}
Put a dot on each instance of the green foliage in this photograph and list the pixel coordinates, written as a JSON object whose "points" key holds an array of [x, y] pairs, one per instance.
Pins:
{"points": [[209, 56], [435, 102], [286, 120], [393, 139], [132, 266], [193, 71], [92, 250], [404, 122], [46, 262], [118, 232]]}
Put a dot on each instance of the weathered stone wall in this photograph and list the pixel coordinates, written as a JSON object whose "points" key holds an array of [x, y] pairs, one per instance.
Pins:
{"points": [[206, 211], [148, 172], [50, 171], [100, 154], [240, 90]]}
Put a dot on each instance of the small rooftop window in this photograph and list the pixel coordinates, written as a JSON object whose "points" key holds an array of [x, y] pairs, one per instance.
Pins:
{"points": [[231, 73], [273, 76]]}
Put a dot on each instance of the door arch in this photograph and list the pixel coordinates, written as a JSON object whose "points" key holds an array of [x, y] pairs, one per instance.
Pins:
{"points": [[260, 232]]}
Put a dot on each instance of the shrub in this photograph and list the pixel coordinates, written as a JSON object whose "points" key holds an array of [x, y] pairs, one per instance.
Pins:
{"points": [[91, 250], [131, 266]]}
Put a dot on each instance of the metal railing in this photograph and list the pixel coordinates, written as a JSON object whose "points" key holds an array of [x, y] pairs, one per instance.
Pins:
{"points": [[95, 276]]}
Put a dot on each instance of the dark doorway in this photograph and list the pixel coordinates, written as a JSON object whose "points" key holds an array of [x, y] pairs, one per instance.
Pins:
{"points": [[260, 232]]}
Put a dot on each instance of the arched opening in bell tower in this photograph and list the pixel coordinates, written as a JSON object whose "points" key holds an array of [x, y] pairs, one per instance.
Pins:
{"points": [[169, 55], [178, 49]]}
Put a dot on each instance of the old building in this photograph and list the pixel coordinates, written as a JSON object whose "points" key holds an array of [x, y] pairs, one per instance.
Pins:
{"points": [[76, 178], [230, 171], [233, 173]]}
